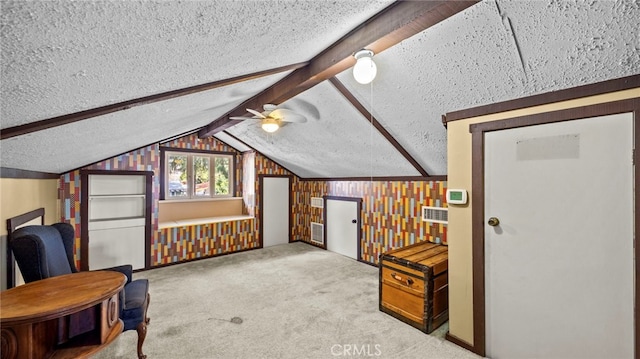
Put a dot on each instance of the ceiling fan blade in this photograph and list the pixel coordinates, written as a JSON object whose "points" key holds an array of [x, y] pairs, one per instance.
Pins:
{"points": [[285, 115], [302, 106], [243, 118], [256, 113]]}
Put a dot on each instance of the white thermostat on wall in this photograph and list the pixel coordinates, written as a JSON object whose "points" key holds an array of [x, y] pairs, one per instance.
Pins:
{"points": [[456, 196]]}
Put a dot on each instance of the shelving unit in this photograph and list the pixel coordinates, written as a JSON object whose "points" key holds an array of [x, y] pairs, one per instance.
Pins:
{"points": [[116, 220]]}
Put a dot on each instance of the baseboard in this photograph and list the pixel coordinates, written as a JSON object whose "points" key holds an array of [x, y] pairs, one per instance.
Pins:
{"points": [[325, 248], [194, 259], [309, 243], [369, 263]]}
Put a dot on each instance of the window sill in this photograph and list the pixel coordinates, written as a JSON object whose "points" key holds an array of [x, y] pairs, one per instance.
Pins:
{"points": [[199, 199], [199, 221]]}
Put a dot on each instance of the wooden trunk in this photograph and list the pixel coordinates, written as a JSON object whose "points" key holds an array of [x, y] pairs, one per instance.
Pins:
{"points": [[414, 285]]}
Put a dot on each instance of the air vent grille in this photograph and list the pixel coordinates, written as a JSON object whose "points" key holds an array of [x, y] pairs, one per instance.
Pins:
{"points": [[317, 233], [317, 202], [435, 214]]}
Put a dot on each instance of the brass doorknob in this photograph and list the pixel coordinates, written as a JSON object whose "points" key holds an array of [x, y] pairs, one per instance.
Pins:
{"points": [[493, 221]]}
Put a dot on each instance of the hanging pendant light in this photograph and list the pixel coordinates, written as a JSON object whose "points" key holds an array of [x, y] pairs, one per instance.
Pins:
{"points": [[364, 71]]}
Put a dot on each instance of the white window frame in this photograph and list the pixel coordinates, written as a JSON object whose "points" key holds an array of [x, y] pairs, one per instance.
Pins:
{"points": [[191, 196]]}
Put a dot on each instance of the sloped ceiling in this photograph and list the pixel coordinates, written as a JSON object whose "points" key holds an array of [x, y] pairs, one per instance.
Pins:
{"points": [[64, 57]]}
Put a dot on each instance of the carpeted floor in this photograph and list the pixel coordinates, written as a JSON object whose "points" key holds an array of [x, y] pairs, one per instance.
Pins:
{"points": [[286, 301]]}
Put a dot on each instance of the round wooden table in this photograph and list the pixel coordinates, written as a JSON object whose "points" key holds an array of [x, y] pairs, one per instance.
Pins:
{"points": [[68, 316]]}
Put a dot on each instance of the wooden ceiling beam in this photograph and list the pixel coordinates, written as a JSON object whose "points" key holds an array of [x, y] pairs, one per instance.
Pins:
{"points": [[392, 25], [375, 123], [125, 105]]}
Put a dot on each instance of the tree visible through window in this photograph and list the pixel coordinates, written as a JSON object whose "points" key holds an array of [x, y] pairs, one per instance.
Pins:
{"points": [[202, 176], [177, 176], [222, 175], [191, 175]]}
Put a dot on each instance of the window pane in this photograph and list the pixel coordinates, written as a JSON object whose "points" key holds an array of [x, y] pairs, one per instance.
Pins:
{"points": [[222, 175], [177, 173], [202, 176]]}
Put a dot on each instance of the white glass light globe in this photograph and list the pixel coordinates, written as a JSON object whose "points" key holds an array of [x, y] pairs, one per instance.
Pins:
{"points": [[365, 70], [270, 125]]}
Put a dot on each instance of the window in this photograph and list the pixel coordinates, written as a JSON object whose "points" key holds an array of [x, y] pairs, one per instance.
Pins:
{"points": [[193, 175]]}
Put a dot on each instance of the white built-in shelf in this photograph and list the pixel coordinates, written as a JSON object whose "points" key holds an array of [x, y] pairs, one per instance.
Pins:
{"points": [[117, 220], [116, 197], [101, 196], [124, 222]]}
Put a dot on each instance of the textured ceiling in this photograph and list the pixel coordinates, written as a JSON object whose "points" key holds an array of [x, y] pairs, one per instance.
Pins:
{"points": [[60, 149], [63, 57], [473, 59], [60, 57], [336, 139]]}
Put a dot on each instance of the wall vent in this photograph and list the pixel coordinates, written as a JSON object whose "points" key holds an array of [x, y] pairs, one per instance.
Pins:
{"points": [[435, 214], [317, 233], [317, 202]]}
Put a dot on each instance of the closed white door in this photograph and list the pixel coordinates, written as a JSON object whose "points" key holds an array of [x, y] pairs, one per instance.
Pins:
{"points": [[275, 211], [342, 227], [559, 265]]}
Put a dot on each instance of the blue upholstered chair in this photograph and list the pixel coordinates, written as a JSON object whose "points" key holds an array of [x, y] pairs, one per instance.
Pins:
{"points": [[47, 251]]}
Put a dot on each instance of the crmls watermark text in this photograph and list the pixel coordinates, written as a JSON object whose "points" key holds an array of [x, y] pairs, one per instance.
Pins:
{"points": [[354, 350]]}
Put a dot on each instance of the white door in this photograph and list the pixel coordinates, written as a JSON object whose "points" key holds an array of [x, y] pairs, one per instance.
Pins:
{"points": [[559, 265], [342, 227], [275, 211]]}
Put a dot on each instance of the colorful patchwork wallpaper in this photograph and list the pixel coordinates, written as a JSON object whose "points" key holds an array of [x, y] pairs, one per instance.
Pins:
{"points": [[391, 212], [70, 202], [184, 243], [143, 159], [390, 209], [179, 244]]}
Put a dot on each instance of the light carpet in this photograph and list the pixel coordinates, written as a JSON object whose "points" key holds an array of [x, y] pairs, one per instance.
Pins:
{"points": [[285, 301]]}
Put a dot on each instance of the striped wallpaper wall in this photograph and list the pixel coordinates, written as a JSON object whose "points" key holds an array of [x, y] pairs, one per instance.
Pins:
{"points": [[390, 213], [391, 216], [143, 159], [178, 244], [183, 243], [70, 202]]}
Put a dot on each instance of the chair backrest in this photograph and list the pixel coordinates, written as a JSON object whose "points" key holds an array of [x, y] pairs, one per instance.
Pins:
{"points": [[44, 251]]}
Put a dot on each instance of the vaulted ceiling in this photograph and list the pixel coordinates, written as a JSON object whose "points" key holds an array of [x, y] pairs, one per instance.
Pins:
{"points": [[83, 81]]}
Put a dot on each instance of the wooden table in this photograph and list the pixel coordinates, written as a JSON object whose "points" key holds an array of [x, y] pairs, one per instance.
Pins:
{"points": [[69, 316]]}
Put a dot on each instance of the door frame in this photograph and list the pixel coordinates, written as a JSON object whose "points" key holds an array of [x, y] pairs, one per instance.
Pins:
{"points": [[477, 169], [84, 212], [358, 218], [261, 207]]}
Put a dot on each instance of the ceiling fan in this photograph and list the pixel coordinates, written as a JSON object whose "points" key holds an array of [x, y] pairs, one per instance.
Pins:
{"points": [[272, 117]]}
